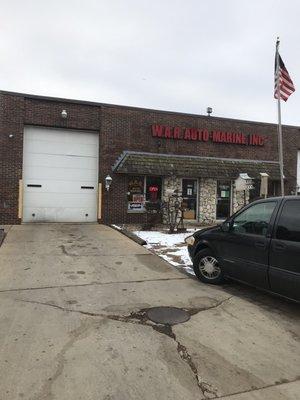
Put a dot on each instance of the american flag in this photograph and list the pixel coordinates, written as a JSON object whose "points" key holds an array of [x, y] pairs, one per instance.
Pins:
{"points": [[286, 86]]}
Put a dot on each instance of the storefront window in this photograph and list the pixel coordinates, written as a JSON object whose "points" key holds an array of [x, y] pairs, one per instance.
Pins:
{"points": [[135, 194], [153, 189], [142, 189]]}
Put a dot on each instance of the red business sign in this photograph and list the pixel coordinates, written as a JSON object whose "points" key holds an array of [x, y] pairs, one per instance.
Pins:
{"points": [[203, 135]]}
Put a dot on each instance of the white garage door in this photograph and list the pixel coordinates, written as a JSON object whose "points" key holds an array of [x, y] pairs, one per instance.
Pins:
{"points": [[60, 175]]}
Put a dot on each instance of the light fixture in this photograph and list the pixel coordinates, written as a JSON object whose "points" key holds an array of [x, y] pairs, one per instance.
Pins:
{"points": [[209, 111], [10, 135], [108, 181], [64, 114]]}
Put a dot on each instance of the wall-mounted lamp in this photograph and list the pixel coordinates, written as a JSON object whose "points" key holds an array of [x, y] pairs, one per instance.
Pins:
{"points": [[11, 136], [108, 181], [64, 114], [209, 111]]}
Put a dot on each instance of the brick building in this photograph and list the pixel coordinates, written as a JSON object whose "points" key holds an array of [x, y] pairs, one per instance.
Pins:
{"points": [[55, 155]]}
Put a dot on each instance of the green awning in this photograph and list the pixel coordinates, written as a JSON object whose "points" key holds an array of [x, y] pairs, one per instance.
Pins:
{"points": [[140, 163]]}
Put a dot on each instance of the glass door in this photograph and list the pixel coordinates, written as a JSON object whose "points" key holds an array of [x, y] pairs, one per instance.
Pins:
{"points": [[223, 199], [189, 194]]}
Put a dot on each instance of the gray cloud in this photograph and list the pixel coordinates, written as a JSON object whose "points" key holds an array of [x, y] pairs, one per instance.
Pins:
{"points": [[163, 54]]}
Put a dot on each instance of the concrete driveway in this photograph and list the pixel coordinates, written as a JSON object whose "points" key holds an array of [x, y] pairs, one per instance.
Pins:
{"points": [[73, 325]]}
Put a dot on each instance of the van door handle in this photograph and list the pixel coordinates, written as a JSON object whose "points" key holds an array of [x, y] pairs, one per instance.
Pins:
{"points": [[279, 246], [260, 245]]}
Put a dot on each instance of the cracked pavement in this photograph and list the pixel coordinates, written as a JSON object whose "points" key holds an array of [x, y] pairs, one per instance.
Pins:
{"points": [[73, 325]]}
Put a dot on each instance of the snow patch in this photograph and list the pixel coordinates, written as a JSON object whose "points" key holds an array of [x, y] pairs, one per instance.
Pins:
{"points": [[116, 227], [170, 247]]}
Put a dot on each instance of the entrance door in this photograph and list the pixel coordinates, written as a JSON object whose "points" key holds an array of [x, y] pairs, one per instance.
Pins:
{"points": [[189, 194], [60, 175], [223, 199]]}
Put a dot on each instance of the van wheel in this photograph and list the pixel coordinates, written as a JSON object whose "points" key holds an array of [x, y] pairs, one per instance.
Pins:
{"points": [[207, 267]]}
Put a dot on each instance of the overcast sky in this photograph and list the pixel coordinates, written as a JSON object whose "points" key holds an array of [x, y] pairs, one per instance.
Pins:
{"points": [[180, 55]]}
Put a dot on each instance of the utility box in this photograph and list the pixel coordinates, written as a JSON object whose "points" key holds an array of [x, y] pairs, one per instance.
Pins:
{"points": [[243, 183]]}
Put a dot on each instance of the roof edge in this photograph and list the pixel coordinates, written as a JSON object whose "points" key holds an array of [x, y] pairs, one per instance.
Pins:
{"points": [[125, 153], [99, 104]]}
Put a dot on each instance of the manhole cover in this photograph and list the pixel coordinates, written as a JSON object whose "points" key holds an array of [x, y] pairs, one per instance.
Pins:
{"points": [[167, 315]]}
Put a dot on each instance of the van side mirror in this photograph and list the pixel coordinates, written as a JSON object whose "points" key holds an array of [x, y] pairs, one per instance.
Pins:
{"points": [[225, 227]]}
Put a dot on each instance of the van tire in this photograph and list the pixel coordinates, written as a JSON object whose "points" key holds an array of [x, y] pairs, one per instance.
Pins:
{"points": [[207, 267]]}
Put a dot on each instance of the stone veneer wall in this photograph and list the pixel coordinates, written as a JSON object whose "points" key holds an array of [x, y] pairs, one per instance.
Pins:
{"points": [[170, 183], [207, 197], [207, 201], [238, 200]]}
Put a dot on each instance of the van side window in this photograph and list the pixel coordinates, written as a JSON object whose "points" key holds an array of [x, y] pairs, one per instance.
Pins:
{"points": [[255, 220], [289, 222]]}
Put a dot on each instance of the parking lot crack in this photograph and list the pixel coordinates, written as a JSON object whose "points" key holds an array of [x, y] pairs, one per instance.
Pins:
{"points": [[195, 310], [90, 314], [206, 389], [94, 283], [60, 361], [141, 318], [251, 390]]}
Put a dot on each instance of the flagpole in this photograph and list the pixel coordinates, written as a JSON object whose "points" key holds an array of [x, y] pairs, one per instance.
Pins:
{"points": [[280, 147]]}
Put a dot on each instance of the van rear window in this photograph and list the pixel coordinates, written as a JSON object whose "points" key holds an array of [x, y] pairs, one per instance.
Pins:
{"points": [[288, 227]]}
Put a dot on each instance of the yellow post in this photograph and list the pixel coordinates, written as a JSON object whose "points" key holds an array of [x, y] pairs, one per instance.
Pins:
{"points": [[20, 210], [100, 201]]}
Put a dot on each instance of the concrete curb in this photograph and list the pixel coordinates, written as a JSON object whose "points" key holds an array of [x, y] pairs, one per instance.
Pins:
{"points": [[130, 235], [2, 236]]}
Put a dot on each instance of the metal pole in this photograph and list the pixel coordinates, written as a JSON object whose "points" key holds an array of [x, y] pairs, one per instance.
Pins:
{"points": [[108, 208], [280, 147]]}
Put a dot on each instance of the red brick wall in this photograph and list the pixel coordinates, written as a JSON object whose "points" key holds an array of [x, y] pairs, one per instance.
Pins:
{"points": [[130, 129], [17, 111], [122, 128], [11, 151], [48, 113]]}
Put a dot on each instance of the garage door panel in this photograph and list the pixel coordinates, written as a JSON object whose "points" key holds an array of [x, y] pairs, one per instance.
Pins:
{"points": [[61, 162], [59, 135], [57, 214], [35, 199], [83, 187], [45, 174], [70, 149]]}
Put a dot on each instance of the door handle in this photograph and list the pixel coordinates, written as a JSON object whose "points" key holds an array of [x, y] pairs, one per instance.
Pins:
{"points": [[279, 246], [260, 245]]}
